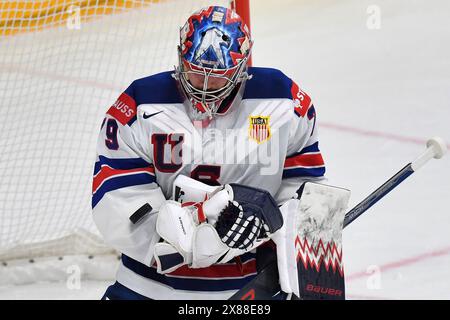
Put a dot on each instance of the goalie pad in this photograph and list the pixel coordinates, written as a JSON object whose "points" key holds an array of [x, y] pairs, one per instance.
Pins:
{"points": [[309, 246]]}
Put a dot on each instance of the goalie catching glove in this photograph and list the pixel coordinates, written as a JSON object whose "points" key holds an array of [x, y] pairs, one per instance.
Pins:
{"points": [[235, 220]]}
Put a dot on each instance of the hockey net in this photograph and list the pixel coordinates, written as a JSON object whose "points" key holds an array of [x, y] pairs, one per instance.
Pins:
{"points": [[63, 63]]}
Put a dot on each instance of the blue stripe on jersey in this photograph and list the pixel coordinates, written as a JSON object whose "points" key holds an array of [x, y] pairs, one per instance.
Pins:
{"points": [[132, 121], [312, 148], [158, 88], [121, 182], [267, 83], [303, 172], [192, 284], [121, 164]]}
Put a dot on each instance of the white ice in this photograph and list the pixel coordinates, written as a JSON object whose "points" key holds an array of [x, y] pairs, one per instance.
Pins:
{"points": [[379, 95]]}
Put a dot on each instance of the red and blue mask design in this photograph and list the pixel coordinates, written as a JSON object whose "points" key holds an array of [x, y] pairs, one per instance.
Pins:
{"points": [[214, 42]]}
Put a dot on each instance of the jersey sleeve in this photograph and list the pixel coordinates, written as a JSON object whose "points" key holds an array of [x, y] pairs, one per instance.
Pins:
{"points": [[124, 180], [304, 161]]}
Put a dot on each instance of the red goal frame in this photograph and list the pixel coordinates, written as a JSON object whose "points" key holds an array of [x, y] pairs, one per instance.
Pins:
{"points": [[242, 7]]}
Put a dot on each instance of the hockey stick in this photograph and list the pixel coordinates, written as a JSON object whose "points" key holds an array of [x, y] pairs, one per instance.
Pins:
{"points": [[262, 286], [436, 148]]}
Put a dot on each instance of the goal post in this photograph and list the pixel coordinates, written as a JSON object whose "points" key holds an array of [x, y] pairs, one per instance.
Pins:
{"points": [[63, 63], [242, 7]]}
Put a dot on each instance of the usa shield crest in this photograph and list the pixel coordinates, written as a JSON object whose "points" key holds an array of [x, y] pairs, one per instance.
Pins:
{"points": [[259, 129]]}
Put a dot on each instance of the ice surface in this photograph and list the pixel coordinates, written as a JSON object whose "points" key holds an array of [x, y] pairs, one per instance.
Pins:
{"points": [[379, 95]]}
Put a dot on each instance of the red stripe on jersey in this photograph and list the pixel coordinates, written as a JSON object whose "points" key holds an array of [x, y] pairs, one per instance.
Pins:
{"points": [[107, 172], [234, 270], [304, 160], [301, 99], [124, 109]]}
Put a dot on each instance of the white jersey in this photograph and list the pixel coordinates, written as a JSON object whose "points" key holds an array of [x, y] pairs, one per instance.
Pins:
{"points": [[266, 137]]}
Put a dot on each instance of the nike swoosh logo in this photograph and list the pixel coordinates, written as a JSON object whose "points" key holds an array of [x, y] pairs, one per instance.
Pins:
{"points": [[146, 116]]}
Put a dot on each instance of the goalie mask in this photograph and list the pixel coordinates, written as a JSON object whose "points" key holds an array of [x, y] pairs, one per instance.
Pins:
{"points": [[214, 48]]}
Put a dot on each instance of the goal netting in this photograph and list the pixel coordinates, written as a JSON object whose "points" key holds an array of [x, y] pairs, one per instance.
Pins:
{"points": [[63, 63]]}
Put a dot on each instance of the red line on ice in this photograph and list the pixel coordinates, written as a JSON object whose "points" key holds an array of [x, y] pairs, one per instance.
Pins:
{"points": [[372, 133], [402, 263], [106, 86]]}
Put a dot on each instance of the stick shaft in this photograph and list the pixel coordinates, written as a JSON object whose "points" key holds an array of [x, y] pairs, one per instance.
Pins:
{"points": [[375, 196], [389, 185], [424, 158]]}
